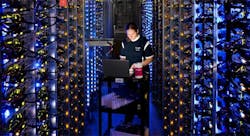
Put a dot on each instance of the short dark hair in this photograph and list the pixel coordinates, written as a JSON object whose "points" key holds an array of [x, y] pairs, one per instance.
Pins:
{"points": [[131, 25]]}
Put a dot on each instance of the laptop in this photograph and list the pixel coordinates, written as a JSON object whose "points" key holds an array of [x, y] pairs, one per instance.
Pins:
{"points": [[115, 68]]}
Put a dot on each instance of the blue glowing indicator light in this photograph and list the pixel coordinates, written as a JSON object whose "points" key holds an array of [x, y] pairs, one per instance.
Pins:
{"points": [[38, 84], [37, 65], [6, 113]]}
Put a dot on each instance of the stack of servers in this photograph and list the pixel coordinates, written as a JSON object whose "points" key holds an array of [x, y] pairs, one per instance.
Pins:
{"points": [[205, 56]]}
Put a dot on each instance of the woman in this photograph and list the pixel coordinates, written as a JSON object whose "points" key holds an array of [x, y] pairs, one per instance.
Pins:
{"points": [[136, 48]]}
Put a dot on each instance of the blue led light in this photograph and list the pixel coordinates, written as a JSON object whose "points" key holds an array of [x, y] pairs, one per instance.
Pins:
{"points": [[36, 44], [37, 65], [7, 112], [52, 38], [5, 5], [5, 61], [38, 85]]}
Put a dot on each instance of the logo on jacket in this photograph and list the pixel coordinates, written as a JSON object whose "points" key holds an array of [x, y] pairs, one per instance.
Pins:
{"points": [[137, 48]]}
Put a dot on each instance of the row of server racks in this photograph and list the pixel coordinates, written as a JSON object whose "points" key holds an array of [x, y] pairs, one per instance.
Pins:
{"points": [[50, 74], [202, 62], [42, 67]]}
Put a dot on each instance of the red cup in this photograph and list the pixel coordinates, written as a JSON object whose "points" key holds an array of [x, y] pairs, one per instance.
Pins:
{"points": [[138, 70]]}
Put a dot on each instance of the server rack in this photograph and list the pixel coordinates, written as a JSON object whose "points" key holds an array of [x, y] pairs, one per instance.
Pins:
{"points": [[205, 43], [147, 22], [63, 70], [93, 30], [28, 87], [232, 74], [157, 39], [175, 54], [221, 92], [204, 70], [37, 53]]}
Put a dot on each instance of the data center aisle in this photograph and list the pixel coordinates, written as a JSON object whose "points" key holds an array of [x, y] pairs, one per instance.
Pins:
{"points": [[155, 122]]}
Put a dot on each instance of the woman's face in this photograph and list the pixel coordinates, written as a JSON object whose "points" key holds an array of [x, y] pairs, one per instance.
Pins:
{"points": [[132, 34]]}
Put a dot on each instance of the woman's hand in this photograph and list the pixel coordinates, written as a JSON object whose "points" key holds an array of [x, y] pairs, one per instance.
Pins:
{"points": [[132, 66]]}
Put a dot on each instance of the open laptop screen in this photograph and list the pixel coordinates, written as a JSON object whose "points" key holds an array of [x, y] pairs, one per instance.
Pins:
{"points": [[115, 68]]}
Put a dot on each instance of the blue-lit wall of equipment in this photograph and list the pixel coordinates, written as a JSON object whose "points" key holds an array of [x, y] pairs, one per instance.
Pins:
{"points": [[42, 78], [147, 21], [205, 66], [49, 73], [28, 68], [93, 30], [233, 76]]}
